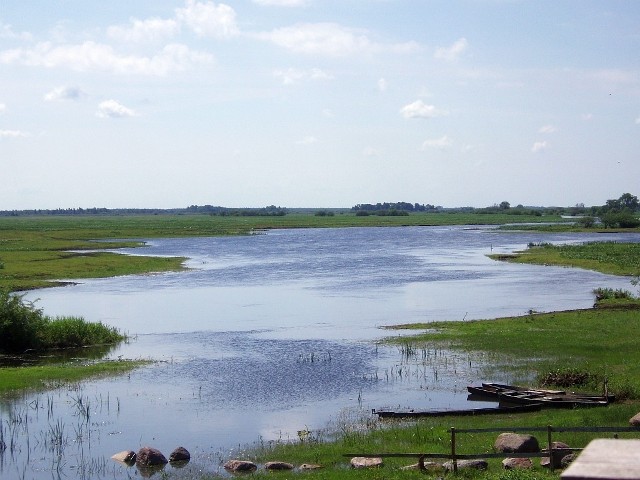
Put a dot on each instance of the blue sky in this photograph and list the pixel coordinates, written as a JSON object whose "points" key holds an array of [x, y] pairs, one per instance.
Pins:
{"points": [[318, 103]]}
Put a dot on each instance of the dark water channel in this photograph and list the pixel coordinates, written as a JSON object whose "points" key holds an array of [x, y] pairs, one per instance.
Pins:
{"points": [[269, 336]]}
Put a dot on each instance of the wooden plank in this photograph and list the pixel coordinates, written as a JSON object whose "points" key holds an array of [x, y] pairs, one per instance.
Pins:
{"points": [[606, 459]]}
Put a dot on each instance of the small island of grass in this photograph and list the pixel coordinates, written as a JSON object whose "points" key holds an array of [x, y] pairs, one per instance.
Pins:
{"points": [[26, 331]]}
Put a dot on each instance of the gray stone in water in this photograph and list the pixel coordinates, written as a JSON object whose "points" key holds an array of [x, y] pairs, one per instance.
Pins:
{"points": [[180, 454], [516, 443], [148, 457], [366, 462], [128, 457], [240, 466], [278, 466]]}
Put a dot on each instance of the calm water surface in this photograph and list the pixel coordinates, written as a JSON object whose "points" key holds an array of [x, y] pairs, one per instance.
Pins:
{"points": [[269, 335]]}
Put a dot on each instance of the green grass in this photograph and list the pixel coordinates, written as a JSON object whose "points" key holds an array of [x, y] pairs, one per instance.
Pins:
{"points": [[50, 376], [606, 257], [600, 341]]}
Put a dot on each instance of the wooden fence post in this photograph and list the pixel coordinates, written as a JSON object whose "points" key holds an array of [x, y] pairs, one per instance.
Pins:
{"points": [[453, 449], [551, 459]]}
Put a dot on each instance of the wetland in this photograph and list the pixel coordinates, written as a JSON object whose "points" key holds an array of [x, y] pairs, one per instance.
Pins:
{"points": [[262, 337]]}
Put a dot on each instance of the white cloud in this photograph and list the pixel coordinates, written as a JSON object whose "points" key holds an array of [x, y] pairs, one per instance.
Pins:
{"points": [[539, 146], [442, 142], [637, 119], [6, 31], [308, 140], [452, 53], [113, 109], [12, 134], [547, 129], [382, 85], [282, 3], [207, 19], [3, 108], [149, 30], [293, 75], [329, 39], [94, 56], [63, 93], [419, 109], [587, 116], [370, 152]]}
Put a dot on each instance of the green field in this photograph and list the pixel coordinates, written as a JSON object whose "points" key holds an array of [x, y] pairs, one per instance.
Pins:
{"points": [[606, 257]]}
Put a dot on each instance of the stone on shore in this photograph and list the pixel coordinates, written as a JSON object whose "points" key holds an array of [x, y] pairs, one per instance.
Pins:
{"points": [[278, 466], [366, 462], [466, 464], [240, 466], [516, 443], [517, 463]]}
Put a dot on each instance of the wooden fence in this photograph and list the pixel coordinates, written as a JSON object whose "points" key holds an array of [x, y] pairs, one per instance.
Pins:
{"points": [[454, 456]]}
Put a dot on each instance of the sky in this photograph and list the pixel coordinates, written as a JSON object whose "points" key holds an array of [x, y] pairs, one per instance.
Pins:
{"points": [[318, 103]]}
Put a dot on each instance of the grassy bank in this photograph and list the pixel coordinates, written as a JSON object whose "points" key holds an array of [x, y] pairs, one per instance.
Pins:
{"points": [[40, 377], [606, 257], [37, 252]]}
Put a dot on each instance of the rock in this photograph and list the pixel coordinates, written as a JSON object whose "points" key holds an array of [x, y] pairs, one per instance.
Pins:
{"points": [[310, 466], [567, 459], [426, 466], [635, 420], [366, 462], [278, 466], [148, 457], [517, 463], [516, 443], [462, 464], [560, 450], [128, 457], [180, 454], [240, 466]]}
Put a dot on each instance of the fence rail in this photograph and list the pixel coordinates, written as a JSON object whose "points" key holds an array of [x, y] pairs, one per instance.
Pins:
{"points": [[454, 456]]}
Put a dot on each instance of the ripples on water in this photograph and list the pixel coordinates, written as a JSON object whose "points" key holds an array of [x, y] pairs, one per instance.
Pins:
{"points": [[272, 334]]}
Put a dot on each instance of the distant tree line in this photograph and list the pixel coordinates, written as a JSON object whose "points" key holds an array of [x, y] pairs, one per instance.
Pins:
{"points": [[398, 206], [270, 211]]}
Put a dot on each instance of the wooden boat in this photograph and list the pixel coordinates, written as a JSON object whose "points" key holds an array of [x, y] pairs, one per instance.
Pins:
{"points": [[512, 394], [529, 407]]}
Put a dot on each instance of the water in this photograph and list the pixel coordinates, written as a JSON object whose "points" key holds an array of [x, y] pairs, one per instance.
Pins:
{"points": [[270, 335]]}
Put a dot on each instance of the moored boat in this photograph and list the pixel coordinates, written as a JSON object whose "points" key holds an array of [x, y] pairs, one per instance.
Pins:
{"points": [[530, 407]]}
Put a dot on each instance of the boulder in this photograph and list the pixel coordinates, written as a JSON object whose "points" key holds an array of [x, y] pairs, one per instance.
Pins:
{"points": [[466, 464], [180, 454], [560, 450], [567, 459], [517, 463], [240, 466], [278, 466], [310, 466], [128, 457], [148, 457], [635, 420], [425, 466], [516, 443], [366, 462]]}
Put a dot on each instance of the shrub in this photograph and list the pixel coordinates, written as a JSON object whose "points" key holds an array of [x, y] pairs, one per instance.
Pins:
{"points": [[20, 322], [24, 327], [610, 293]]}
